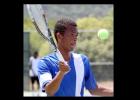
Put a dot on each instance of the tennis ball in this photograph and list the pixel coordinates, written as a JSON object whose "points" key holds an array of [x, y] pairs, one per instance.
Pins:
{"points": [[103, 34]]}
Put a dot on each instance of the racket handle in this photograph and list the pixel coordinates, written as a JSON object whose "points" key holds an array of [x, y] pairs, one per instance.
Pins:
{"points": [[60, 57]]}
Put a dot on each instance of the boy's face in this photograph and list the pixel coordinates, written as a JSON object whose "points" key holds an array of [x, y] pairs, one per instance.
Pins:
{"points": [[69, 38]]}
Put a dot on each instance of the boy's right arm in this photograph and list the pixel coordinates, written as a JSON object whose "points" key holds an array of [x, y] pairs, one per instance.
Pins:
{"points": [[54, 84]]}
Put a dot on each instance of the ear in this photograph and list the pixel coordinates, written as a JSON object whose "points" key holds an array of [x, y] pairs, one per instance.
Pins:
{"points": [[59, 36]]}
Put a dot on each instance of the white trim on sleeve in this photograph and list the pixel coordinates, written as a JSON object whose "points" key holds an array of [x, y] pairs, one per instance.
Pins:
{"points": [[44, 78]]}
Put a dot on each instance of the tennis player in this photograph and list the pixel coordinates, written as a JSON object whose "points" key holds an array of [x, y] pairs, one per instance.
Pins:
{"points": [[60, 79], [33, 64]]}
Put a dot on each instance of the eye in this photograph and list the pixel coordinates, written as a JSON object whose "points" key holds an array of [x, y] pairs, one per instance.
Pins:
{"points": [[72, 34]]}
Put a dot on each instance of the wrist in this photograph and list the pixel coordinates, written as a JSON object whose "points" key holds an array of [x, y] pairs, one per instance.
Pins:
{"points": [[61, 73]]}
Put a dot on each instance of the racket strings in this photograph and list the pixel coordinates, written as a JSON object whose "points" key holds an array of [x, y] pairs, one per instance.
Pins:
{"points": [[40, 23], [40, 31]]}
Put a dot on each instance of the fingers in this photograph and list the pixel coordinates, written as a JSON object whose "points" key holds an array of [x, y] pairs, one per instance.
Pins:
{"points": [[63, 67], [62, 63]]}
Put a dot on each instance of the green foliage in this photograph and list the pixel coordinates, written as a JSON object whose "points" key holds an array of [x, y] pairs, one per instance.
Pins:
{"points": [[36, 41], [88, 23], [51, 23], [44, 49], [89, 44]]}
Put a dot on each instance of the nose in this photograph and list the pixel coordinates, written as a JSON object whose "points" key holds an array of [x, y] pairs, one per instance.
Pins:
{"points": [[75, 37]]}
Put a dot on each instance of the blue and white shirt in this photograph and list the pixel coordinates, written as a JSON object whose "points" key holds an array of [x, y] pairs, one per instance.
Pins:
{"points": [[74, 81]]}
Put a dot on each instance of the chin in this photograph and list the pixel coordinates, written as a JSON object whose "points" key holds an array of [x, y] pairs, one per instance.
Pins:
{"points": [[72, 48]]}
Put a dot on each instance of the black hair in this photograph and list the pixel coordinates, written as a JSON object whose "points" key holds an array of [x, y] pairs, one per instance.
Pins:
{"points": [[62, 24], [35, 54]]}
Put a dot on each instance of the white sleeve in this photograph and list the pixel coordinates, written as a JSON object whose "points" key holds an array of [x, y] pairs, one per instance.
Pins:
{"points": [[44, 79], [30, 60], [44, 74]]}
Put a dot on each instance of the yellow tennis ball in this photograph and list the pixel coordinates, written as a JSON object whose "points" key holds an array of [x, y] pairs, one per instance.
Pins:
{"points": [[103, 34]]}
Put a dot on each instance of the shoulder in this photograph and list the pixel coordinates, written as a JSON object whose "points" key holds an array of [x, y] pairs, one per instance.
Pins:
{"points": [[48, 58], [47, 62], [31, 58]]}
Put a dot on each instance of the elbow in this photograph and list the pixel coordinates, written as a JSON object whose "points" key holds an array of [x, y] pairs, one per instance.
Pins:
{"points": [[49, 91]]}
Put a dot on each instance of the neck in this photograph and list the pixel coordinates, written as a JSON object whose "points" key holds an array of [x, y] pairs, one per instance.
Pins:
{"points": [[65, 53]]}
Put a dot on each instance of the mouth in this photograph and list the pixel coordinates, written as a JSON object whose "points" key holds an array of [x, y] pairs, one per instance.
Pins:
{"points": [[73, 44]]}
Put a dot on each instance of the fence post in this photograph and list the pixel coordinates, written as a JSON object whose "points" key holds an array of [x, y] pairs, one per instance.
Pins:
{"points": [[26, 53]]}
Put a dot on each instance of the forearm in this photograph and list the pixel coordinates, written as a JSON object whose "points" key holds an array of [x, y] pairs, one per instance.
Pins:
{"points": [[53, 86], [102, 92]]}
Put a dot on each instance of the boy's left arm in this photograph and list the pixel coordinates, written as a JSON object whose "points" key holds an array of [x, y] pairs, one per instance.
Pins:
{"points": [[101, 91]]}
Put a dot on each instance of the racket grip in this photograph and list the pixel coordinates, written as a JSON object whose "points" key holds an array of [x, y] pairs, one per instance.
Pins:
{"points": [[60, 57]]}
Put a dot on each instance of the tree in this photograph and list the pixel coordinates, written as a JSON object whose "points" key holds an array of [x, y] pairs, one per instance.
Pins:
{"points": [[89, 44], [45, 49]]}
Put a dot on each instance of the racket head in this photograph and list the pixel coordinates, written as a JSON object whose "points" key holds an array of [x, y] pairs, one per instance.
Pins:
{"points": [[39, 20], [37, 15]]}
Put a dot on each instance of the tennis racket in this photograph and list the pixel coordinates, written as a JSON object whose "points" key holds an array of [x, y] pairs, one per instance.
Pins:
{"points": [[39, 20]]}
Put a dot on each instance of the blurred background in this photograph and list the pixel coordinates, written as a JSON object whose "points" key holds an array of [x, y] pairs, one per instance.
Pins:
{"points": [[89, 18]]}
